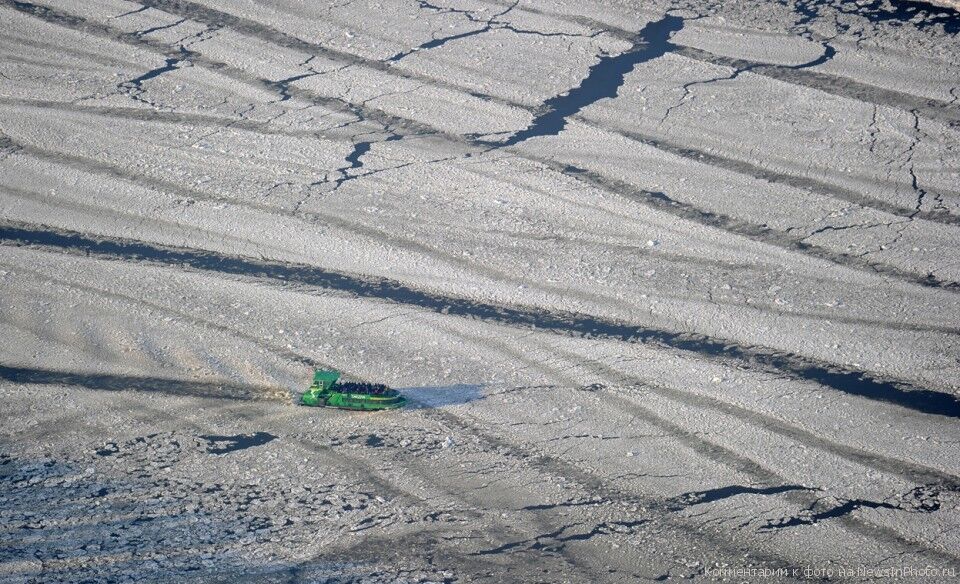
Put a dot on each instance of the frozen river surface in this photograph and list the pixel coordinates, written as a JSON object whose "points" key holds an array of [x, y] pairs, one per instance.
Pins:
{"points": [[673, 288]]}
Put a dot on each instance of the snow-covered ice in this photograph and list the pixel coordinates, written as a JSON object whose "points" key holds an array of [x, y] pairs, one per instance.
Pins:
{"points": [[673, 288]]}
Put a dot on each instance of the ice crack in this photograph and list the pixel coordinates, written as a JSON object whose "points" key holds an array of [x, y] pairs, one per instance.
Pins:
{"points": [[603, 81], [490, 24]]}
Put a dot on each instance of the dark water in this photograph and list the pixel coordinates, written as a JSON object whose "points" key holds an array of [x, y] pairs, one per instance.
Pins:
{"points": [[840, 510], [359, 150], [921, 15], [226, 444], [709, 496], [603, 81]]}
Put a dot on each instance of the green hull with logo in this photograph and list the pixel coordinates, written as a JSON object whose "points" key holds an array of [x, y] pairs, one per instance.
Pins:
{"points": [[326, 392]]}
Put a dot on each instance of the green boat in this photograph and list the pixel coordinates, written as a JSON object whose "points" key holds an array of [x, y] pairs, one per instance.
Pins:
{"points": [[326, 392]]}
